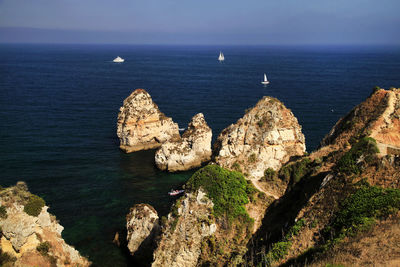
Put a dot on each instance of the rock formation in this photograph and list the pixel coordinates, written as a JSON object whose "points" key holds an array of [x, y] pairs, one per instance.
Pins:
{"points": [[32, 240], [266, 137], [331, 213], [142, 226], [141, 125], [190, 151], [184, 230], [377, 117]]}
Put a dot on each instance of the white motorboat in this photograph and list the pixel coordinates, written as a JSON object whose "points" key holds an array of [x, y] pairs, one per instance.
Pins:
{"points": [[118, 60]]}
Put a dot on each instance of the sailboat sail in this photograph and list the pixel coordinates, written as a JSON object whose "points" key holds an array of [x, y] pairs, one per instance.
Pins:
{"points": [[221, 56], [265, 79]]}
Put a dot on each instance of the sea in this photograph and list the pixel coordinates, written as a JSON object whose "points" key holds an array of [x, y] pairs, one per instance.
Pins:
{"points": [[59, 107]]}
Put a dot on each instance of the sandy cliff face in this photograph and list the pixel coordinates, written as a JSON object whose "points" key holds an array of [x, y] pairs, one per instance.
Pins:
{"points": [[183, 232], [22, 234], [141, 125], [142, 227], [377, 117], [190, 151], [266, 137]]}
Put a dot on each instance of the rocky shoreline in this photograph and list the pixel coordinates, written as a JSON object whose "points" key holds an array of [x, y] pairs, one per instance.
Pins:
{"points": [[259, 199]]}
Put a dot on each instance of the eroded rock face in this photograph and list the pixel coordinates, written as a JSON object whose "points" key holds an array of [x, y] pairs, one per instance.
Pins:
{"points": [[142, 225], [266, 137], [183, 233], [141, 125], [22, 233], [190, 151]]}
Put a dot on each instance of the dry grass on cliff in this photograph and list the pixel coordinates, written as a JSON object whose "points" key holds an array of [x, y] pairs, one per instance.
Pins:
{"points": [[379, 246]]}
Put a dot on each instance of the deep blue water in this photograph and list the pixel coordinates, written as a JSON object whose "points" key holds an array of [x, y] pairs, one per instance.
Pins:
{"points": [[59, 105]]}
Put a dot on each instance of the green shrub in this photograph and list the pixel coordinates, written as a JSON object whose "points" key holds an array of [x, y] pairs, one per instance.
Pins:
{"points": [[228, 190], [252, 158], [278, 251], [3, 212], [269, 174], [6, 258], [236, 167], [44, 247], [295, 171], [366, 204], [350, 162], [34, 205], [260, 123], [295, 229]]}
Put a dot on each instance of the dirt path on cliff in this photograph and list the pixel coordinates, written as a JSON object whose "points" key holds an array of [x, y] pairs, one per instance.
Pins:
{"points": [[257, 185]]}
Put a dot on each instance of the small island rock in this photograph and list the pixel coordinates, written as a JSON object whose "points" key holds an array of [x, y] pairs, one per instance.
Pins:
{"points": [[141, 125], [190, 151]]}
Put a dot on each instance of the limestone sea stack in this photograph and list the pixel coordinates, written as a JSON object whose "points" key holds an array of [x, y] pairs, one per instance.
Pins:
{"points": [[266, 137], [30, 235], [188, 152], [141, 125], [142, 225]]}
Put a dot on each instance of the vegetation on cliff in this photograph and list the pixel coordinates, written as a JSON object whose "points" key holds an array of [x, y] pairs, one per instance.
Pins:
{"points": [[362, 152], [34, 205], [230, 194], [357, 215], [228, 190], [362, 208]]}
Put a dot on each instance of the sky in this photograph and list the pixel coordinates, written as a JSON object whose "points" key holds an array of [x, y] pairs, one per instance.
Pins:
{"points": [[231, 22]]}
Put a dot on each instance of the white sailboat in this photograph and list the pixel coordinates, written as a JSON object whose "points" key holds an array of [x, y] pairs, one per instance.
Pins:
{"points": [[221, 56], [265, 79], [118, 60]]}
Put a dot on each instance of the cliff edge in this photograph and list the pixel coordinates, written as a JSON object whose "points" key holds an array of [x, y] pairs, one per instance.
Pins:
{"points": [[30, 236]]}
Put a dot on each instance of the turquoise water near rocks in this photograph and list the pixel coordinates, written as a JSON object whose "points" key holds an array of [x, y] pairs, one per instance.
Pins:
{"points": [[59, 105]]}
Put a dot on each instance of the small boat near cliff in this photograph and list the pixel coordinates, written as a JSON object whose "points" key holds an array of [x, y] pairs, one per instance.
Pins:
{"points": [[118, 60], [265, 79], [175, 192], [221, 56]]}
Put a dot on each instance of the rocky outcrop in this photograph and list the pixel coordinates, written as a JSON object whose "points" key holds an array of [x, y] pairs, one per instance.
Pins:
{"points": [[142, 226], [323, 215], [266, 137], [190, 151], [378, 117], [184, 231], [141, 125], [33, 240]]}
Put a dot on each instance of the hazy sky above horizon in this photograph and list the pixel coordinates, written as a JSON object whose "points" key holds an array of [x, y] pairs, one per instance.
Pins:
{"points": [[203, 22]]}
